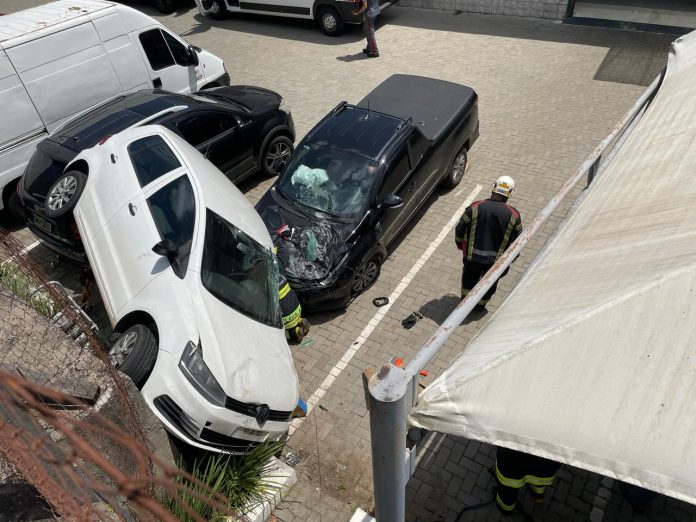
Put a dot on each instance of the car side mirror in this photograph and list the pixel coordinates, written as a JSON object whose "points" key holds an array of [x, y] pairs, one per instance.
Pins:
{"points": [[193, 55], [166, 248], [392, 201]]}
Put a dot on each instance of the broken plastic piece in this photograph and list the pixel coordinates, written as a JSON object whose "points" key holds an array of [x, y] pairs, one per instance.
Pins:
{"points": [[398, 361], [380, 301], [423, 373], [300, 410], [311, 249]]}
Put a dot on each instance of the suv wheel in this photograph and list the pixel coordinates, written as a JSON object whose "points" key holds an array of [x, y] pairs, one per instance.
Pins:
{"points": [[134, 353], [64, 193], [457, 168], [331, 22], [277, 153]]}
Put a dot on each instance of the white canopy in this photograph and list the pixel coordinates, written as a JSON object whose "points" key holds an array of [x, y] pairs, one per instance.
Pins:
{"points": [[591, 360]]}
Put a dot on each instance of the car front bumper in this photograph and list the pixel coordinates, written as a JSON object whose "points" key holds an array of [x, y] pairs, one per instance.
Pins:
{"points": [[191, 418]]}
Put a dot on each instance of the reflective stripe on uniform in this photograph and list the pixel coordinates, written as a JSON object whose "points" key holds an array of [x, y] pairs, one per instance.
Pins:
{"points": [[472, 232], [284, 290], [503, 505], [292, 320], [539, 490], [527, 479], [506, 237]]}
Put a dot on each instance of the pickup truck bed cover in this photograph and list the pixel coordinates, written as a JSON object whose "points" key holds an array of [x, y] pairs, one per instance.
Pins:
{"points": [[432, 104]]}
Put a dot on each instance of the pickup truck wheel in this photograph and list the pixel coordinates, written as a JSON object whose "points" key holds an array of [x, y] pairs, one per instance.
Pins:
{"points": [[134, 353], [164, 6], [64, 193], [331, 22], [365, 275], [457, 169], [277, 153]]}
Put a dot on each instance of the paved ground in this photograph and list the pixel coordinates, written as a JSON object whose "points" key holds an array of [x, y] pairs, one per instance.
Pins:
{"points": [[548, 94]]}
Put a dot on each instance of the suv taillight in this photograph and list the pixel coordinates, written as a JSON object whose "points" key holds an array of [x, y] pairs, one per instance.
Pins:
{"points": [[74, 232]]}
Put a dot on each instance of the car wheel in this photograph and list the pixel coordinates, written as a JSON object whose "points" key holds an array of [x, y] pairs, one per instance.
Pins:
{"points": [[331, 22], [277, 153], [365, 275], [14, 208], [164, 6], [134, 353], [64, 193], [218, 11], [457, 168]]}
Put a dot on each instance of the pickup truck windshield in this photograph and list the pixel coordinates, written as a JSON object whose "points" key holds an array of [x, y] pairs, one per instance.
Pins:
{"points": [[240, 272], [330, 180]]}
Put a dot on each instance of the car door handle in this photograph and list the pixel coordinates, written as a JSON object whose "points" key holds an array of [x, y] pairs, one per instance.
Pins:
{"points": [[132, 209], [157, 83]]}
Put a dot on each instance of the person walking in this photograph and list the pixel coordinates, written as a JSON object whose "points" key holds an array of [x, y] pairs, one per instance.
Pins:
{"points": [[514, 469], [484, 231], [370, 11]]}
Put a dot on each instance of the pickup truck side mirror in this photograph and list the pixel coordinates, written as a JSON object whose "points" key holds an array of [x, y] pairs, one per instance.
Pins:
{"points": [[193, 55], [166, 248], [392, 201]]}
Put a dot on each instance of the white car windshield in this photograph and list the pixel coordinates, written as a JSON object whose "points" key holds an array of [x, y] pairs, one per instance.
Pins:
{"points": [[329, 180], [240, 272]]}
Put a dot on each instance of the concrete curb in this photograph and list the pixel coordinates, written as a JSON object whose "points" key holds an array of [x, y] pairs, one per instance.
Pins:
{"points": [[361, 516], [279, 479]]}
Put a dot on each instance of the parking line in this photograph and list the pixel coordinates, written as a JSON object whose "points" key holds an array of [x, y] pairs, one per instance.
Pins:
{"points": [[22, 252], [381, 312]]}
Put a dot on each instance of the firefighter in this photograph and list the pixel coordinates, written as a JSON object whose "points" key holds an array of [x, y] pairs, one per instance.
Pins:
{"points": [[484, 231], [296, 327], [514, 469]]}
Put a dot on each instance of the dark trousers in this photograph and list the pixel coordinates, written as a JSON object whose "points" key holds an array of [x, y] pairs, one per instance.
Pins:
{"points": [[514, 469], [472, 274], [369, 30]]}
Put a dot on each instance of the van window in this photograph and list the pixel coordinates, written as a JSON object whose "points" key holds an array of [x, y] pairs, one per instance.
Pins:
{"points": [[151, 158], [179, 51], [202, 127], [156, 49], [173, 209]]}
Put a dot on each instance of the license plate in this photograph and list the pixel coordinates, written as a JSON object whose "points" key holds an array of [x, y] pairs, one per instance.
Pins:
{"points": [[43, 223]]}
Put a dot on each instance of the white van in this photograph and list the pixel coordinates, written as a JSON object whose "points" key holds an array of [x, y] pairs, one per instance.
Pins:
{"points": [[58, 59], [331, 15]]}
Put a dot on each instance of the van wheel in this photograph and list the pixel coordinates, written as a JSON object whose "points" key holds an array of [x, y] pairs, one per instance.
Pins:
{"points": [[277, 153], [64, 193], [134, 353], [14, 208], [164, 6], [331, 22], [218, 11], [456, 169]]}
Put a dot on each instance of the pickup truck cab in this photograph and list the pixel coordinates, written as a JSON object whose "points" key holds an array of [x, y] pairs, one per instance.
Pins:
{"points": [[359, 176]]}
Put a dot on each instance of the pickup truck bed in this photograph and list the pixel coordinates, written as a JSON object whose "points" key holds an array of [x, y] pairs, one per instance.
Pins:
{"points": [[433, 105]]}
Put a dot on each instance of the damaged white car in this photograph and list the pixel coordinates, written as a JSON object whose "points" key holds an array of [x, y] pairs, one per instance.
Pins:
{"points": [[186, 272]]}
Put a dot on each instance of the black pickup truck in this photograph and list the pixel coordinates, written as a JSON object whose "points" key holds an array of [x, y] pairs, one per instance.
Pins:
{"points": [[359, 176]]}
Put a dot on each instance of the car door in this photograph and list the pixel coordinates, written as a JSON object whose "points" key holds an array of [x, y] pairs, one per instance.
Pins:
{"points": [[121, 253], [168, 61], [219, 137], [400, 180]]}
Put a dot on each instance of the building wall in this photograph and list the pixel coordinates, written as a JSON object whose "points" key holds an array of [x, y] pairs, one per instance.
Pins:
{"points": [[553, 9]]}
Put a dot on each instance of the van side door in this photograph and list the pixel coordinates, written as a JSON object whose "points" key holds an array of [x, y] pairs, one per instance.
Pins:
{"points": [[168, 61]]}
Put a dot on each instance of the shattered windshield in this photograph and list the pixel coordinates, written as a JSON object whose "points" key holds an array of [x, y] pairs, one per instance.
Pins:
{"points": [[239, 271], [330, 180]]}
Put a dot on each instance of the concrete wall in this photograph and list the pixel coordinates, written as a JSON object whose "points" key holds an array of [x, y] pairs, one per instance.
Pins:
{"points": [[553, 9]]}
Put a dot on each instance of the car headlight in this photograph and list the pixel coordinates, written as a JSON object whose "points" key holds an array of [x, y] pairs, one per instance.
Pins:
{"points": [[198, 374], [284, 106]]}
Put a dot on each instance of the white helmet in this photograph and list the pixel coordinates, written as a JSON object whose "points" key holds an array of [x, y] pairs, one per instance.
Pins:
{"points": [[504, 186]]}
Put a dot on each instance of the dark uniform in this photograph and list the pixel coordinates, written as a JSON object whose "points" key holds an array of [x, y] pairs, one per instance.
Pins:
{"points": [[484, 231], [295, 327], [514, 469]]}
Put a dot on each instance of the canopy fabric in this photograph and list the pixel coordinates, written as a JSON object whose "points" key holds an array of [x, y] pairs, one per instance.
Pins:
{"points": [[591, 360]]}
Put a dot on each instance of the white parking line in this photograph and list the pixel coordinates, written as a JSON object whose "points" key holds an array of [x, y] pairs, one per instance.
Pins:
{"points": [[381, 312], [22, 252]]}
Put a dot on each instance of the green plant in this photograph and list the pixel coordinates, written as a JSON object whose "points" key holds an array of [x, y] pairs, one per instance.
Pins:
{"points": [[239, 478], [21, 285]]}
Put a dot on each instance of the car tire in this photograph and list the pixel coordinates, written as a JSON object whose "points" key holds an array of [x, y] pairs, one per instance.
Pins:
{"points": [[218, 10], [365, 276], [279, 148], [134, 353], [14, 208], [64, 194], [457, 168], [331, 22], [164, 6]]}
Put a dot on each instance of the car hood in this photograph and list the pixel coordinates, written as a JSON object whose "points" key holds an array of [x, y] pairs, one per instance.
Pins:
{"points": [[315, 249], [250, 99], [250, 360]]}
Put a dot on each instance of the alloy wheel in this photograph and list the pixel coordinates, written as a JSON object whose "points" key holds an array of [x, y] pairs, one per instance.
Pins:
{"points": [[365, 276], [458, 167], [62, 193], [279, 153], [122, 348]]}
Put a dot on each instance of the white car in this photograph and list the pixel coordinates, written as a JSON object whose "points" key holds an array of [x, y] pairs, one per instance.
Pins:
{"points": [[186, 271]]}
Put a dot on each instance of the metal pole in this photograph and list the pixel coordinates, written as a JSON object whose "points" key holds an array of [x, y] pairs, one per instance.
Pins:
{"points": [[389, 406]]}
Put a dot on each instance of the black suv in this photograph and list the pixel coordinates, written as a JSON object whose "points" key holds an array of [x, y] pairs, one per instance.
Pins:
{"points": [[240, 129]]}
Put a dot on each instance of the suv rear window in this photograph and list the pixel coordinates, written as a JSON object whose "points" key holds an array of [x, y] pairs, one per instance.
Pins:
{"points": [[41, 172], [151, 158]]}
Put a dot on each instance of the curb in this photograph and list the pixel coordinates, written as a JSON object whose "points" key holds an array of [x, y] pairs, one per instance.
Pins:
{"points": [[279, 479]]}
